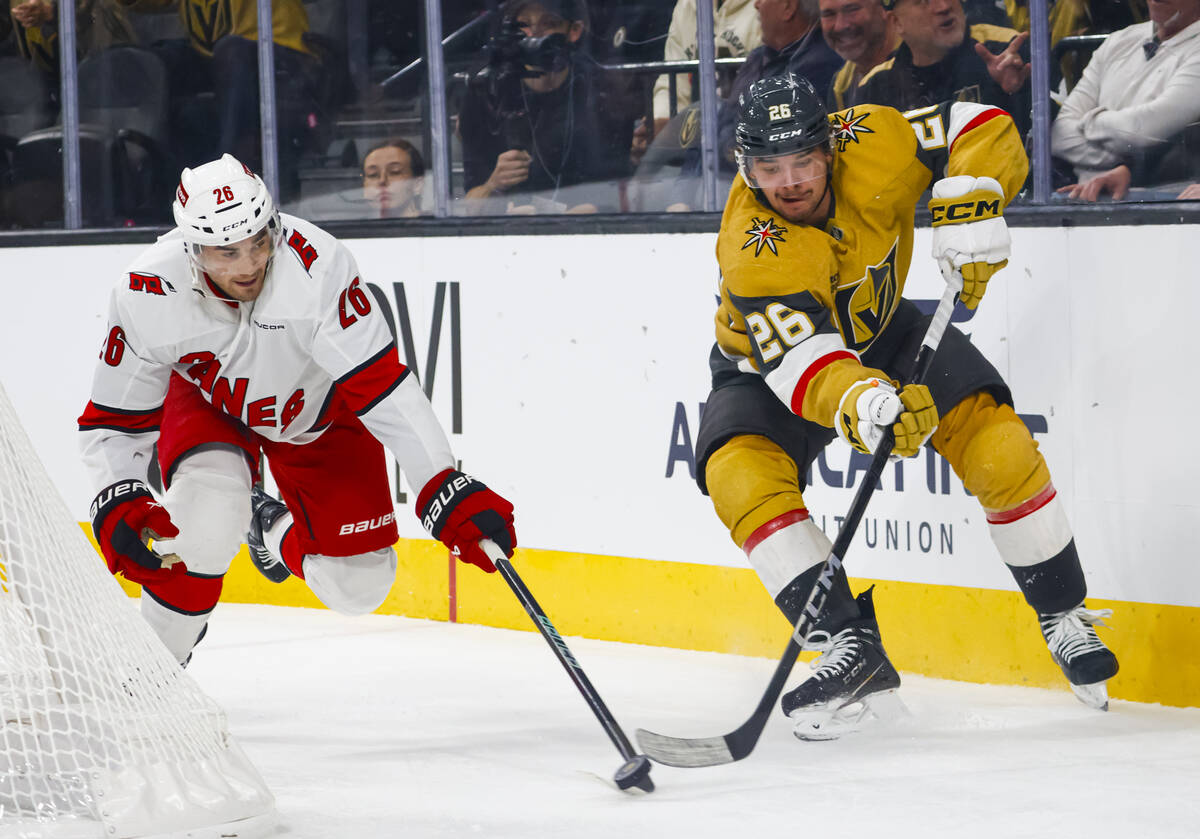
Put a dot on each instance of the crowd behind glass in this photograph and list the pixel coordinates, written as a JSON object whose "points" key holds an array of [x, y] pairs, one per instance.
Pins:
{"points": [[556, 106]]}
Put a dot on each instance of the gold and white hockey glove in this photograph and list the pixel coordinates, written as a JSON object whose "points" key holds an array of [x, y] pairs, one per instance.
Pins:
{"points": [[970, 236], [869, 406]]}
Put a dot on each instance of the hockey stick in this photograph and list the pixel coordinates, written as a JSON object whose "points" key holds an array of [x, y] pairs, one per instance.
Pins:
{"points": [[713, 751], [635, 771]]}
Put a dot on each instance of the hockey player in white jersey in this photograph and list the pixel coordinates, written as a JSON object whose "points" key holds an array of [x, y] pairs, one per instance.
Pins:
{"points": [[245, 332]]}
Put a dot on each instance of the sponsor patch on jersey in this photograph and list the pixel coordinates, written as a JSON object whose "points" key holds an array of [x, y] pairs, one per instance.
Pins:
{"points": [[764, 234], [847, 127]]}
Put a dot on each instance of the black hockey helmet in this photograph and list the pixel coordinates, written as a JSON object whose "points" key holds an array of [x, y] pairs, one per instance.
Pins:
{"points": [[780, 115]]}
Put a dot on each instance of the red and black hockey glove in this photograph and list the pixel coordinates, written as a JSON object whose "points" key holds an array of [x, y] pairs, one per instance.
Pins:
{"points": [[459, 510], [124, 515]]}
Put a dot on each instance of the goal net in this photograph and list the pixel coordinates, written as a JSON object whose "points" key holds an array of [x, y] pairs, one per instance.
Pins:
{"points": [[102, 734]]}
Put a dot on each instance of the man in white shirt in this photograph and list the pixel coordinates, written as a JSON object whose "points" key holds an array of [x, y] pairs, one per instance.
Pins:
{"points": [[1141, 88], [736, 30], [243, 333]]}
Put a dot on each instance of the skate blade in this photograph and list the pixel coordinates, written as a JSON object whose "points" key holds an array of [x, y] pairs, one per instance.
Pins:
{"points": [[829, 722], [1093, 695]]}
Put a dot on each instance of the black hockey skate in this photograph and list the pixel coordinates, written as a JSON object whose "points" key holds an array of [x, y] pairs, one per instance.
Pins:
{"points": [[265, 511], [854, 681], [1075, 647]]}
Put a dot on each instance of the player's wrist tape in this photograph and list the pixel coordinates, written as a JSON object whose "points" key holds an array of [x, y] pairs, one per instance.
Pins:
{"points": [[976, 205], [436, 509]]}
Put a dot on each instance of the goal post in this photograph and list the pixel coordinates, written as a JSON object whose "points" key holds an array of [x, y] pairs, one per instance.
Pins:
{"points": [[102, 733]]}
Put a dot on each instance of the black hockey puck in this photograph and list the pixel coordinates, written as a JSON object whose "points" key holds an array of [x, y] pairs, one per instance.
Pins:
{"points": [[635, 772]]}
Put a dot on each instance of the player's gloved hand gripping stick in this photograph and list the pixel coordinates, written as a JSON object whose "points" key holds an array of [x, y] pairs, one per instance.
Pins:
{"points": [[124, 517], [635, 771], [713, 751]]}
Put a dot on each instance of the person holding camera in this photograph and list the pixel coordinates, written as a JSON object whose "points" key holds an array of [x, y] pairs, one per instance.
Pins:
{"points": [[534, 129]]}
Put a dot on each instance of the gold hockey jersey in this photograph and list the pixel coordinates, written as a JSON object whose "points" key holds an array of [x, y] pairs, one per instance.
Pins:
{"points": [[207, 21], [811, 299]]}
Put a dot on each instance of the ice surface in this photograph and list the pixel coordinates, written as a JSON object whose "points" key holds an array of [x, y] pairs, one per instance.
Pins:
{"points": [[386, 727]]}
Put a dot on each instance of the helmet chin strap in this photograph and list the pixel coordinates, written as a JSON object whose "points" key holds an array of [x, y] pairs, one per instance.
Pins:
{"points": [[828, 190]]}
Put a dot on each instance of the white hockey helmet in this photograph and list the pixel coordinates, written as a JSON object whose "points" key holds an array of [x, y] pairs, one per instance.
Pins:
{"points": [[220, 203]]}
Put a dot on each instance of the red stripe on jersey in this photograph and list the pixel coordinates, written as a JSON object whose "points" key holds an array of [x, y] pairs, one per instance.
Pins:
{"points": [[220, 293], [369, 383], [777, 523], [1022, 510], [816, 367], [980, 119], [134, 422]]}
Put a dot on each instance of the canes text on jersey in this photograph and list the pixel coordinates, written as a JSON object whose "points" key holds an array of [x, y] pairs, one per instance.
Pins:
{"points": [[204, 369]]}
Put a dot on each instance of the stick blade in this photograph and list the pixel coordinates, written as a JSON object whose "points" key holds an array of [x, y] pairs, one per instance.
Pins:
{"points": [[684, 752]]}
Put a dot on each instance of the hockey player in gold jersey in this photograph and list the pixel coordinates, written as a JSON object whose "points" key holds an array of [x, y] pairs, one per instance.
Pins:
{"points": [[813, 339]]}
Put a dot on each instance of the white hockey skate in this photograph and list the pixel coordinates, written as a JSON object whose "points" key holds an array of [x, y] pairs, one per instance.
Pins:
{"points": [[854, 683], [1075, 647]]}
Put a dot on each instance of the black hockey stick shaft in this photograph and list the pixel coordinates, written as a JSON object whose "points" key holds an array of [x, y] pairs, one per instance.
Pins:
{"points": [[713, 751], [563, 653]]}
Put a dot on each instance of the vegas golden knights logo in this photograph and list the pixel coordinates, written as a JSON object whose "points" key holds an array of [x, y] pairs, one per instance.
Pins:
{"points": [[864, 307], [689, 129], [208, 21], [846, 128], [764, 233]]}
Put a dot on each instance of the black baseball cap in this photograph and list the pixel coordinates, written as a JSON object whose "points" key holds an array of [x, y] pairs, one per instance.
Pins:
{"points": [[565, 9]]}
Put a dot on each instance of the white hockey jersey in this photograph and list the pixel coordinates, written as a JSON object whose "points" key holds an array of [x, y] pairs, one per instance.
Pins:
{"points": [[274, 363]]}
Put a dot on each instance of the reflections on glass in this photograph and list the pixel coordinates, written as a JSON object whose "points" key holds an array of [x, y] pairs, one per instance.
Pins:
{"points": [[1128, 123], [368, 158], [543, 127], [162, 87], [31, 190], [559, 106]]}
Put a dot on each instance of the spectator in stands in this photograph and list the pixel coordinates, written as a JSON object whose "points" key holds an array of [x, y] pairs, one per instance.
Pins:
{"points": [[1075, 17], [629, 30], [942, 60], [1136, 96], [1067, 17], [31, 195], [792, 43], [393, 175], [34, 25], [737, 30], [536, 134], [1078, 17], [219, 57], [995, 12], [862, 33]]}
